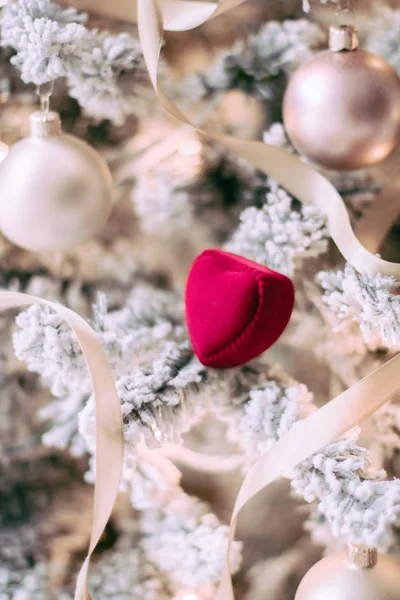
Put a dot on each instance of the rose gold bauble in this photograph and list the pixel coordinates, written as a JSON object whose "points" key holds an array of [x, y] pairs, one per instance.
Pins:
{"points": [[55, 189], [338, 577], [342, 109]]}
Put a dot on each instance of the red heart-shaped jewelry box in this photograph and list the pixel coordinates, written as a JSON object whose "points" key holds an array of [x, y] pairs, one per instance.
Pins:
{"points": [[235, 308]]}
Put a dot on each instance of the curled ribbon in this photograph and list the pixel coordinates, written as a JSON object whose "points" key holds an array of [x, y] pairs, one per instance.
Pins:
{"points": [[109, 430], [301, 180], [306, 438], [311, 188]]}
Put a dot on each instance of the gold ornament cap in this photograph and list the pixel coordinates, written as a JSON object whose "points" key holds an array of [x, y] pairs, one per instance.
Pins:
{"points": [[45, 124], [343, 38], [363, 557]]}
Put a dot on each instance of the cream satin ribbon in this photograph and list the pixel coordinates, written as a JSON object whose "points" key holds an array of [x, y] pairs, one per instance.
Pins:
{"points": [[311, 188], [109, 429], [376, 222], [301, 180], [306, 438]]}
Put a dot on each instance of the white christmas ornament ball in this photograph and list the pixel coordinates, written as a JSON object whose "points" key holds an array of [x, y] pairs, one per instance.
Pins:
{"points": [[55, 189], [340, 577]]}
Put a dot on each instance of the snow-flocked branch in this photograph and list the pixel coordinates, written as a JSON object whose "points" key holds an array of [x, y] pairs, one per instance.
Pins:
{"points": [[160, 382], [362, 509], [197, 537], [255, 65], [280, 233], [110, 80], [45, 36], [105, 73], [372, 301]]}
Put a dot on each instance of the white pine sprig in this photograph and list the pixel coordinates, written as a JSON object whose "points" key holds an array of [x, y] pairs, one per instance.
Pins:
{"points": [[150, 396], [269, 413], [198, 538], [254, 64], [127, 573], [281, 233], [370, 300], [46, 37], [364, 511], [110, 81], [105, 73], [158, 401], [49, 347]]}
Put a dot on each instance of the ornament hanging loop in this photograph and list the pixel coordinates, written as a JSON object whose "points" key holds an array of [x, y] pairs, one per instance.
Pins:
{"points": [[44, 92], [45, 123]]}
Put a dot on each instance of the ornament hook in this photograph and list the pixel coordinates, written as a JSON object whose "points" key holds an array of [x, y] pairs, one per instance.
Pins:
{"points": [[44, 92], [45, 123]]}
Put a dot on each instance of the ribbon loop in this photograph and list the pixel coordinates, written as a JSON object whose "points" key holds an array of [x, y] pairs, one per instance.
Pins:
{"points": [[109, 430]]}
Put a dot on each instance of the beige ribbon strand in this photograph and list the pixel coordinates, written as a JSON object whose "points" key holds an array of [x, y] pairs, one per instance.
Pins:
{"points": [[308, 185], [109, 430], [305, 183], [377, 220], [307, 437]]}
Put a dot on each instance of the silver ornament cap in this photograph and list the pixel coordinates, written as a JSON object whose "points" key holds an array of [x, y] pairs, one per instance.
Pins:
{"points": [[340, 577], [363, 557], [45, 124], [343, 38]]}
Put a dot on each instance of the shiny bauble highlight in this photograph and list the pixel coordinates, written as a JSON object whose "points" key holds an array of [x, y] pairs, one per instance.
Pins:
{"points": [[55, 189], [342, 109], [336, 578]]}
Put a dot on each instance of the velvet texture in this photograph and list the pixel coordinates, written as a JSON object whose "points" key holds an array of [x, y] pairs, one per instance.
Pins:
{"points": [[235, 308]]}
